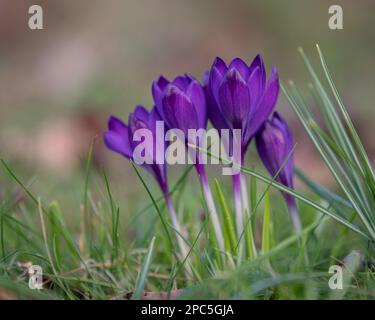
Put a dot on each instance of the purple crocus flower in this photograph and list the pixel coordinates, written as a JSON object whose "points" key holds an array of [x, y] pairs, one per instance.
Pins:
{"points": [[182, 105], [239, 97], [274, 142], [119, 138]]}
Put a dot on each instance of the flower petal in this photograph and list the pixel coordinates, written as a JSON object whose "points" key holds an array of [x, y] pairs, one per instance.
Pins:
{"points": [[214, 82], [159, 141], [220, 65], [274, 144], [279, 122], [213, 111], [270, 144], [116, 124], [182, 82], [157, 92], [241, 67], [255, 88], [179, 110], [196, 94], [258, 62], [234, 98], [141, 113], [117, 137], [265, 106]]}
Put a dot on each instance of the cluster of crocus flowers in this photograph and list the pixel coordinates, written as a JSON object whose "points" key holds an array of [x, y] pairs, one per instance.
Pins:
{"points": [[233, 97]]}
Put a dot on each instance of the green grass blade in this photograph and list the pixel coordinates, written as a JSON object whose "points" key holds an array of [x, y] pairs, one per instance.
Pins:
{"points": [[142, 276], [266, 223], [227, 219]]}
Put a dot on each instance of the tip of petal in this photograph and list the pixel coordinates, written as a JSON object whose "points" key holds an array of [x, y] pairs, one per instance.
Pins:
{"points": [[114, 122], [259, 57], [233, 74], [172, 89], [162, 82], [220, 65], [277, 115], [189, 76], [237, 59], [257, 61], [237, 62], [278, 120], [218, 60], [205, 77], [140, 108], [274, 72]]}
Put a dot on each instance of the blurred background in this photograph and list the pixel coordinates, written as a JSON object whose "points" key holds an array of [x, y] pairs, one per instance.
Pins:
{"points": [[95, 58]]}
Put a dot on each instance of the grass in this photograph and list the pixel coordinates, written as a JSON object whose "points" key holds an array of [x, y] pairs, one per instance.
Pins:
{"points": [[102, 255]]}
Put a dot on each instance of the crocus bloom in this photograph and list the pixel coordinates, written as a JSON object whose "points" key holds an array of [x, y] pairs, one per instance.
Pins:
{"points": [[182, 105], [239, 97], [119, 138], [274, 142]]}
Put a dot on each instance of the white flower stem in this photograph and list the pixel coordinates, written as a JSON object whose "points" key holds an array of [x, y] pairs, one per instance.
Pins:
{"points": [[297, 225], [211, 208], [184, 249], [238, 204], [247, 212], [296, 220]]}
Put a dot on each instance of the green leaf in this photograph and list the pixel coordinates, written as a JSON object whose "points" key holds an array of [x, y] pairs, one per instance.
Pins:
{"points": [[142, 276], [229, 229], [266, 224]]}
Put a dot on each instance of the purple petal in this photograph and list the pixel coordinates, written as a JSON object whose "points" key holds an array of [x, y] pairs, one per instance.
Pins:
{"points": [[162, 82], [213, 111], [182, 82], [117, 143], [234, 98], [179, 110], [152, 118], [241, 67], [258, 62], [157, 92], [160, 143], [214, 114], [280, 123], [266, 105], [205, 78], [271, 146], [214, 82], [115, 124], [196, 94], [220, 65], [141, 113], [274, 144], [255, 88], [117, 137]]}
